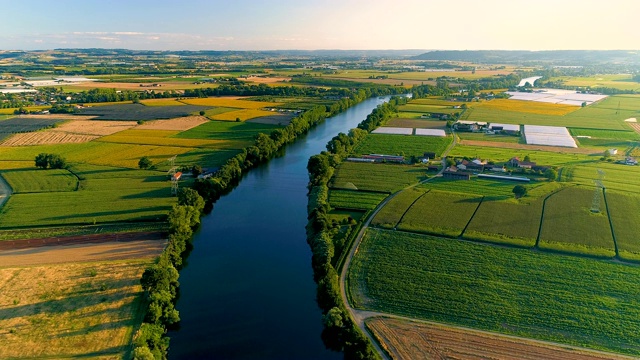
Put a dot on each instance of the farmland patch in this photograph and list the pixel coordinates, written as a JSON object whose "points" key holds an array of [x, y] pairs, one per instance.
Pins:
{"points": [[390, 215], [136, 112], [385, 178], [402, 145], [440, 213], [178, 124], [567, 299], [569, 225], [28, 181], [355, 200]]}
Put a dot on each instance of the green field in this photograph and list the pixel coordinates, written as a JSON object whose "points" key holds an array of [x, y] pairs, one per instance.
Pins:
{"points": [[226, 130], [355, 200], [617, 176], [489, 137], [386, 178], [491, 189], [30, 181], [99, 201], [440, 213], [566, 299], [602, 115], [623, 211], [568, 224], [402, 145], [390, 215], [503, 222]]}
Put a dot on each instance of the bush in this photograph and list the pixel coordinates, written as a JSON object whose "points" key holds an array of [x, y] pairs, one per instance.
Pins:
{"points": [[144, 163], [53, 161]]}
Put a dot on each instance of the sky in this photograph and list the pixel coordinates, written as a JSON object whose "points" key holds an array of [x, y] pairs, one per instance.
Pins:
{"points": [[315, 24]]}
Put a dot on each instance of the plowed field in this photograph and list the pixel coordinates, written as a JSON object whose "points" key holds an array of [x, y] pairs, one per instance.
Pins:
{"points": [[413, 340]]}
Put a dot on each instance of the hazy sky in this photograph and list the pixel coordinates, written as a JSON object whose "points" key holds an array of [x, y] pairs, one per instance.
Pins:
{"points": [[315, 24]]}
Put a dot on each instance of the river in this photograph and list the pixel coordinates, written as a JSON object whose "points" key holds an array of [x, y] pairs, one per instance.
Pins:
{"points": [[247, 291]]}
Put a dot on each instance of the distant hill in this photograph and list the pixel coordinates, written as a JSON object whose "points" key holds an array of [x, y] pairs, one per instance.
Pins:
{"points": [[567, 57]]}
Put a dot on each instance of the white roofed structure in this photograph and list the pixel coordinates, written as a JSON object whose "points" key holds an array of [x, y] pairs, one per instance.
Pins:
{"points": [[548, 135], [430, 132]]}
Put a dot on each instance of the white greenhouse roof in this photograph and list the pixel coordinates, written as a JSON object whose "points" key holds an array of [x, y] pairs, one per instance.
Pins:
{"points": [[548, 135], [393, 130], [430, 132]]}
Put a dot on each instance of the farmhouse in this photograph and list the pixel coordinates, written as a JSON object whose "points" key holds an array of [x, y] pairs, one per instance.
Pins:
{"points": [[470, 126], [176, 176], [509, 129], [441, 116], [456, 174], [630, 161]]}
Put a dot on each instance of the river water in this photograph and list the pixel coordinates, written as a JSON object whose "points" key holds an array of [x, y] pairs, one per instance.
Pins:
{"points": [[247, 291]]}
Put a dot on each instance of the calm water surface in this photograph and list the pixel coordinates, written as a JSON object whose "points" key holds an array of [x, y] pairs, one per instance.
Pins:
{"points": [[248, 291]]}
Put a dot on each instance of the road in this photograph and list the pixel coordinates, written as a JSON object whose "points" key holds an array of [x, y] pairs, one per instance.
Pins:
{"points": [[359, 316]]}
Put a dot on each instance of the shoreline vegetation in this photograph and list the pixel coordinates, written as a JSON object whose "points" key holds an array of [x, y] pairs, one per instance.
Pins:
{"points": [[160, 281]]}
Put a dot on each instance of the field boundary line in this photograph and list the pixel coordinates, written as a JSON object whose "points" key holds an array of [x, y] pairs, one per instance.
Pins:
{"points": [[544, 204], [409, 208], [471, 218], [613, 233]]}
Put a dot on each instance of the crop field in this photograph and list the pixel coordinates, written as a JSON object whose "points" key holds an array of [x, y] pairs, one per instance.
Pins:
{"points": [[210, 113], [230, 102], [569, 225], [603, 115], [355, 200], [425, 109], [390, 215], [441, 213], [422, 340], [402, 145], [605, 134], [532, 107], [417, 123], [488, 137], [504, 222], [70, 310], [567, 299], [435, 101], [386, 178], [10, 111], [28, 181], [225, 130], [46, 137], [97, 201], [162, 102], [617, 176], [178, 124], [618, 81], [623, 211], [136, 112], [492, 189], [166, 138], [243, 115], [21, 125], [99, 153]]}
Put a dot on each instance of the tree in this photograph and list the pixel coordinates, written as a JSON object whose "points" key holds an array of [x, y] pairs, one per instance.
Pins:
{"points": [[42, 160], [56, 161], [144, 163], [450, 162], [190, 197], [527, 158], [551, 174], [202, 112], [519, 191]]}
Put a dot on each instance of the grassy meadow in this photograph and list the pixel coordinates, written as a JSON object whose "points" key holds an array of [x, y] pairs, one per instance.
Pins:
{"points": [[384, 178], [83, 310]]}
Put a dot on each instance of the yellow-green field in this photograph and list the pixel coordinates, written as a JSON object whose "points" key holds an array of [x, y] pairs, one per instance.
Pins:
{"points": [[232, 102], [243, 115], [532, 107], [87, 310], [618, 81]]}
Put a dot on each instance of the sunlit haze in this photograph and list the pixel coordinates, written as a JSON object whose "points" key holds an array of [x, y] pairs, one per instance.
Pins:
{"points": [[308, 25]]}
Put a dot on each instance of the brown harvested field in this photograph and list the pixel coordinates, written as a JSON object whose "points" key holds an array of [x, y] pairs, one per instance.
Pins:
{"points": [[142, 249], [404, 339], [266, 80], [507, 145], [280, 119], [420, 124], [634, 126], [46, 137], [71, 310], [179, 124], [94, 127]]}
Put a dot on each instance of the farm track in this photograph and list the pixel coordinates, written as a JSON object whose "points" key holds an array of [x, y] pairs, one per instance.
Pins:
{"points": [[81, 239], [471, 218]]}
